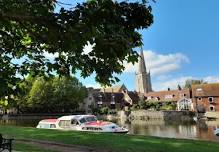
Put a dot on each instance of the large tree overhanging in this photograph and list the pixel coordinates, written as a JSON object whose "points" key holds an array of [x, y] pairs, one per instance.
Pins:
{"points": [[29, 28]]}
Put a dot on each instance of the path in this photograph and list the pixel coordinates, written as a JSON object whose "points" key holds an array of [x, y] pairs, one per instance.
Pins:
{"points": [[48, 145]]}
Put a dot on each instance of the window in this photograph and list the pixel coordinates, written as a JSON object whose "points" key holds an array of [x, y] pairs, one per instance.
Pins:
{"points": [[74, 122], [199, 90], [158, 98], [52, 126], [199, 99], [64, 123], [210, 99], [168, 96], [99, 102], [83, 120], [90, 119], [212, 108]]}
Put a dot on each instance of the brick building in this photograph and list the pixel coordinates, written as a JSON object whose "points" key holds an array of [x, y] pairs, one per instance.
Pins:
{"points": [[206, 97], [179, 97]]}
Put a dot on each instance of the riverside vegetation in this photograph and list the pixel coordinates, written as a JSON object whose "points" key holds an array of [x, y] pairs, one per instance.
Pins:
{"points": [[111, 142]]}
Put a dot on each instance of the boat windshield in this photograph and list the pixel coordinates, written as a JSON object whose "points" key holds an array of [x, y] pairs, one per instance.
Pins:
{"points": [[90, 119]]}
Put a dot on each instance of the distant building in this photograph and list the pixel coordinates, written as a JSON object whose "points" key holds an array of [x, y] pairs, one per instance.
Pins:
{"points": [[89, 100], [143, 78], [180, 97], [206, 97], [116, 97]]}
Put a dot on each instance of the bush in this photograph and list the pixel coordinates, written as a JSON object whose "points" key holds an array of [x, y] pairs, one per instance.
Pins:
{"points": [[135, 107], [168, 106], [104, 110], [153, 105]]}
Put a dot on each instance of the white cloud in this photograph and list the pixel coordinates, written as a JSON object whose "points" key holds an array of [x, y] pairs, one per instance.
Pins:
{"points": [[211, 79], [173, 83], [160, 64], [88, 48], [93, 85]]}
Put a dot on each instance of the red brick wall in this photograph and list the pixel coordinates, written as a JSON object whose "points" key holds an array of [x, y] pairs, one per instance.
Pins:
{"points": [[205, 102]]}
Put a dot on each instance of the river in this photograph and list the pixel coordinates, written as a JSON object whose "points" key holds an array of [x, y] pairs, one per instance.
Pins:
{"points": [[203, 130]]}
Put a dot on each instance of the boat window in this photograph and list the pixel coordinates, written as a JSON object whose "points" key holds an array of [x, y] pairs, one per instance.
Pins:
{"points": [[46, 126], [64, 123], [89, 119], [74, 122], [82, 120], [52, 126]]}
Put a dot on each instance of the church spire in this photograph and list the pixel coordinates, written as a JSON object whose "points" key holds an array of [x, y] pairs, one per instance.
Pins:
{"points": [[143, 79], [141, 64]]}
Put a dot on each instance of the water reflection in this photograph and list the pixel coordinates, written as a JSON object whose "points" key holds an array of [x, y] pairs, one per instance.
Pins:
{"points": [[196, 130]]}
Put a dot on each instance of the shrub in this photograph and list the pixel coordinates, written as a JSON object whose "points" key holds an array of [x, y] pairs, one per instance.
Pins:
{"points": [[135, 107], [104, 110]]}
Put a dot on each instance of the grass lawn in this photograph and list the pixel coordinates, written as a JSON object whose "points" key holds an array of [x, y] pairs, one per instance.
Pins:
{"points": [[114, 142], [28, 148]]}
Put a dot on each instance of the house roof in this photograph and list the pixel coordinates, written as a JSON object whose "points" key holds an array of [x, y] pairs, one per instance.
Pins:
{"points": [[171, 95], [205, 90], [117, 88]]}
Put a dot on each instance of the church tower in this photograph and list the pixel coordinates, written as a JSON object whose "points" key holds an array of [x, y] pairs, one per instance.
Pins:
{"points": [[143, 78]]}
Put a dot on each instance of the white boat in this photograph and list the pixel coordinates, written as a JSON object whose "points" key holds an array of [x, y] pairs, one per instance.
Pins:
{"points": [[47, 124], [81, 123], [216, 131]]}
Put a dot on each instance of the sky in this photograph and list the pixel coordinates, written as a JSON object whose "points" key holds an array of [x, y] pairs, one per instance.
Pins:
{"points": [[181, 44]]}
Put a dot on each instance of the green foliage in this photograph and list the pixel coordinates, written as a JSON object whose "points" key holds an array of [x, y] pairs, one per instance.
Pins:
{"points": [[104, 110], [168, 106], [135, 107], [94, 109], [28, 29], [152, 105], [155, 105], [58, 94], [191, 82]]}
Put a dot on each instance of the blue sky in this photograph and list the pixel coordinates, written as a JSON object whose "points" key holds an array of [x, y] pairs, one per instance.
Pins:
{"points": [[182, 43]]}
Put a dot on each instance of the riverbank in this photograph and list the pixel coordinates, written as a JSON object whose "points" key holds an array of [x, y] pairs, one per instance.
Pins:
{"points": [[110, 142]]}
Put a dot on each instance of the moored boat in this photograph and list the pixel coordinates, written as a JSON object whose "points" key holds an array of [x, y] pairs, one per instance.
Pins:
{"points": [[216, 131], [81, 123], [47, 124]]}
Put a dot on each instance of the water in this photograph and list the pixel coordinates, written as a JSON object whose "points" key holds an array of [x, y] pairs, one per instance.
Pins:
{"points": [[203, 130]]}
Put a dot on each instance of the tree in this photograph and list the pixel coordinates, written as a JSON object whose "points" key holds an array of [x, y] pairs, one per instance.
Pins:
{"points": [[191, 82], [68, 93], [57, 94], [30, 28]]}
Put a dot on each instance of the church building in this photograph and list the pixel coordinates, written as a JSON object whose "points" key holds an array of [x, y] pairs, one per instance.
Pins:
{"points": [[143, 78]]}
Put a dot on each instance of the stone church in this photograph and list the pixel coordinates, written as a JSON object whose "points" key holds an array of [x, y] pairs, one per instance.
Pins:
{"points": [[143, 78]]}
